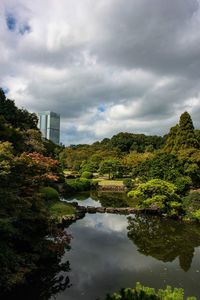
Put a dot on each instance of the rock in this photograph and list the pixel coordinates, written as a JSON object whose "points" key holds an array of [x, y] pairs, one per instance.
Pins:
{"points": [[82, 208], [91, 209], [100, 209], [80, 215], [110, 210], [75, 204]]}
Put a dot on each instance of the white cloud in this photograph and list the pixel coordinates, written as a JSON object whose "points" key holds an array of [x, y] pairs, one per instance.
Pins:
{"points": [[140, 63]]}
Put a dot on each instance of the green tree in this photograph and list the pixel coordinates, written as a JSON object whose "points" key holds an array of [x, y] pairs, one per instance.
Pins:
{"points": [[18, 118], [113, 167], [182, 136], [166, 166], [185, 135], [140, 292], [158, 193], [171, 139]]}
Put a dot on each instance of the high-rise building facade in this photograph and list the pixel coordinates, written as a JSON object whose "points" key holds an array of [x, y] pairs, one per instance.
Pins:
{"points": [[49, 125]]}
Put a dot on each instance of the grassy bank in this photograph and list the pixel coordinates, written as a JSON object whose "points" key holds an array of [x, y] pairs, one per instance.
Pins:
{"points": [[106, 182], [60, 209]]}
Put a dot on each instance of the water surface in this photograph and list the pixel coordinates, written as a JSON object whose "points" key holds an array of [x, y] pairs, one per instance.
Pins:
{"points": [[110, 251]]}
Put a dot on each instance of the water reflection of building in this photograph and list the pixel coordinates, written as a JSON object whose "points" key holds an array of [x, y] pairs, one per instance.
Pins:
{"points": [[49, 125]]}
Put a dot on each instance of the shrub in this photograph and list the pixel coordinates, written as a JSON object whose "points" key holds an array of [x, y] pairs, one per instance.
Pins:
{"points": [[128, 183], [196, 215], [94, 184], [183, 184], [142, 292], [77, 185], [192, 200], [49, 193], [87, 175], [158, 193]]}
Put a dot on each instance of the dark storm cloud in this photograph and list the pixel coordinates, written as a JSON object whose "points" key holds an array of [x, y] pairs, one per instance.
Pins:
{"points": [[138, 59], [155, 35]]}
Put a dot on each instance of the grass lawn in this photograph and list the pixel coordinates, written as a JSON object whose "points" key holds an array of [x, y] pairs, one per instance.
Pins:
{"points": [[106, 182], [60, 209], [67, 172]]}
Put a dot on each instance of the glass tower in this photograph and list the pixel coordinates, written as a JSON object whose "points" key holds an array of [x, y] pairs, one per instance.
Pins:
{"points": [[49, 125]]}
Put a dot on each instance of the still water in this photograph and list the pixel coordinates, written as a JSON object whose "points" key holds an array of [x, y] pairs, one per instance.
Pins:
{"points": [[111, 251]]}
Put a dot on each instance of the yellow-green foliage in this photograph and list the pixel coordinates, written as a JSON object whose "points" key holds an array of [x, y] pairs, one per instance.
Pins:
{"points": [[157, 193], [142, 292], [87, 175], [111, 183], [60, 209], [134, 158], [196, 215]]}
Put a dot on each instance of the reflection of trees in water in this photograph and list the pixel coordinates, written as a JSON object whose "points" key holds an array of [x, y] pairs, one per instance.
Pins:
{"points": [[164, 239], [44, 283], [110, 199], [78, 196], [107, 199], [47, 276]]}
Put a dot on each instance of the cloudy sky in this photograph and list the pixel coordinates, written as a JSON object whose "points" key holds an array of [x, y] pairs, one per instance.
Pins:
{"points": [[106, 66]]}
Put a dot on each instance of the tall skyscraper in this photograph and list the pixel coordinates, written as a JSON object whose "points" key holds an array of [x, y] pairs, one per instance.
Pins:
{"points": [[49, 125]]}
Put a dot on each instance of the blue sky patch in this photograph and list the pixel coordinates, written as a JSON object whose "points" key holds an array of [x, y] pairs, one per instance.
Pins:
{"points": [[24, 28], [14, 25], [101, 108], [11, 22], [6, 90]]}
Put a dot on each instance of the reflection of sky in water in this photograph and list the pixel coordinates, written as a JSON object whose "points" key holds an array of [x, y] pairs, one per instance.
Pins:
{"points": [[87, 202], [103, 260]]}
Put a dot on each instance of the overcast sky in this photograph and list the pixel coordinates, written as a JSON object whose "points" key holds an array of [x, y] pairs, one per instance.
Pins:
{"points": [[106, 66]]}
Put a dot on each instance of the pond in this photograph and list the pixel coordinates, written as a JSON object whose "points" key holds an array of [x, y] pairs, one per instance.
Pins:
{"points": [[110, 251]]}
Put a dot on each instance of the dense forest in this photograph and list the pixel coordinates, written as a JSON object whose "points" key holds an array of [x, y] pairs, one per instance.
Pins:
{"points": [[27, 164], [172, 157], [159, 171]]}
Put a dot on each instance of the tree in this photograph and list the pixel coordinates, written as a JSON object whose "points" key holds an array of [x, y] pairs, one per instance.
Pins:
{"points": [[6, 159], [33, 141], [185, 135], [166, 166], [25, 221], [182, 136], [140, 292], [18, 118], [112, 167], [171, 139], [158, 193]]}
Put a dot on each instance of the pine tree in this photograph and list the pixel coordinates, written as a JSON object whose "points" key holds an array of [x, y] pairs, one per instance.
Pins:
{"points": [[185, 137], [171, 139], [182, 136]]}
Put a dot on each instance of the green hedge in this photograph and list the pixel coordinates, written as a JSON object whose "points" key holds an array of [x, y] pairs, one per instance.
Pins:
{"points": [[87, 175], [77, 185]]}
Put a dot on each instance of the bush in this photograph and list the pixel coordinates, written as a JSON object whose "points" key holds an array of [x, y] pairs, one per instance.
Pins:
{"points": [[183, 184], [192, 201], [127, 182], [94, 184], [49, 193], [158, 193], [142, 292], [77, 185], [196, 215], [191, 204], [87, 175]]}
